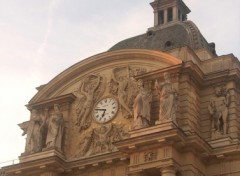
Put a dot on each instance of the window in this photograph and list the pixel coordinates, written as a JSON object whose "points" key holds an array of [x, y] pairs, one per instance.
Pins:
{"points": [[184, 17], [160, 17], [179, 15], [170, 14], [168, 44]]}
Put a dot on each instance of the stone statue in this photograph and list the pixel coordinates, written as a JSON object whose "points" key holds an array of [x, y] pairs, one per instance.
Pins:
{"points": [[84, 110], [167, 99], [55, 129], [142, 107], [218, 109], [34, 133]]}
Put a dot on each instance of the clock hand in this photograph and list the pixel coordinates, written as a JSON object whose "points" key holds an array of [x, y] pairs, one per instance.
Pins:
{"points": [[100, 110], [103, 113], [104, 110]]}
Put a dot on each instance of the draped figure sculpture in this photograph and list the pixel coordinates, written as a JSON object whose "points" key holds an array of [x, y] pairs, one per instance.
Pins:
{"points": [[142, 106], [55, 129], [34, 133], [167, 99]]}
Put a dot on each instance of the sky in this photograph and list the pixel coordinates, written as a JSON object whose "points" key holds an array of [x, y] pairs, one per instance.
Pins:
{"points": [[40, 39]]}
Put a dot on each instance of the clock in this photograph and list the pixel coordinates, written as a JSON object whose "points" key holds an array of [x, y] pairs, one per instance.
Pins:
{"points": [[105, 110]]}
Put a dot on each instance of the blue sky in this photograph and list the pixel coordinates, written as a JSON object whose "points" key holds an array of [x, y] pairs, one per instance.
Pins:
{"points": [[40, 39]]}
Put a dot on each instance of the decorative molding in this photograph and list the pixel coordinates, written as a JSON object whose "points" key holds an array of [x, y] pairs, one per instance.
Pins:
{"points": [[68, 98]]}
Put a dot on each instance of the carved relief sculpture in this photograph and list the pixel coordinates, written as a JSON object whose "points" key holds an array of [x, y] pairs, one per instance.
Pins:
{"points": [[34, 133], [55, 129], [142, 106], [86, 98], [150, 156], [121, 77], [218, 109], [102, 141], [167, 99], [123, 85], [85, 144], [99, 140]]}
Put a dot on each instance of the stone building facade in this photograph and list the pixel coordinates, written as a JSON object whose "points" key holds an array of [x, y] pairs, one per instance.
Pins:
{"points": [[158, 104]]}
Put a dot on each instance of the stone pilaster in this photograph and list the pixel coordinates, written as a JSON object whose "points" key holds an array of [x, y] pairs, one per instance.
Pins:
{"points": [[168, 171]]}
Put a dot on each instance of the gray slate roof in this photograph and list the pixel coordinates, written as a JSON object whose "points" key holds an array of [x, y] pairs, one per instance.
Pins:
{"points": [[177, 35]]}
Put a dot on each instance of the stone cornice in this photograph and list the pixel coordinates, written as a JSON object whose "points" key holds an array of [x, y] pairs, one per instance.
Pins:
{"points": [[68, 98], [155, 74], [163, 135], [52, 160]]}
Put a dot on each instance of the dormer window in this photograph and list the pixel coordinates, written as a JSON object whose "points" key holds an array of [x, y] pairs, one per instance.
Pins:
{"points": [[169, 14]]}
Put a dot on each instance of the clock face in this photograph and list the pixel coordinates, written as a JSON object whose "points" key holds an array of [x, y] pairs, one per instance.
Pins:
{"points": [[105, 110]]}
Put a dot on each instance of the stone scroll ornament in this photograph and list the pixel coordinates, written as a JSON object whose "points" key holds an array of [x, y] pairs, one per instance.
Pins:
{"points": [[142, 106], [99, 140], [34, 131], [167, 100], [86, 95], [218, 109]]}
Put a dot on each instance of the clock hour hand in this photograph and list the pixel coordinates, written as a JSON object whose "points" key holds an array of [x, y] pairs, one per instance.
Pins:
{"points": [[103, 113], [104, 110]]}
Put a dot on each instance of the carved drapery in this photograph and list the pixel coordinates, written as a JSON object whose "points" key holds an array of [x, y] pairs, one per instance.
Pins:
{"points": [[167, 100], [34, 131], [55, 129], [142, 106], [45, 130]]}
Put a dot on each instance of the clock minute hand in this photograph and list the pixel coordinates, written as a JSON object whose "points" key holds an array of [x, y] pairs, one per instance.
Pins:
{"points": [[100, 110]]}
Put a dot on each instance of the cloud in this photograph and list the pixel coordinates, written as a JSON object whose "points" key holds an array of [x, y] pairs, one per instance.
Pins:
{"points": [[41, 49]]}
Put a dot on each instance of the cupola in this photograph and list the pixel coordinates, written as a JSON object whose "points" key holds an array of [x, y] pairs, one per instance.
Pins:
{"points": [[169, 11]]}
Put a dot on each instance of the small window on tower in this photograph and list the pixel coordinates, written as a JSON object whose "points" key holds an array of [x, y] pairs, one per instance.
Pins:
{"points": [[179, 15], [160, 17], [184, 17], [170, 14]]}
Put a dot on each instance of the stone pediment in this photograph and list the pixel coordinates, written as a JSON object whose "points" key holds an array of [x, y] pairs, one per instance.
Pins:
{"points": [[95, 98], [100, 63]]}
